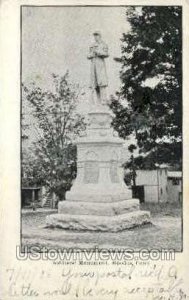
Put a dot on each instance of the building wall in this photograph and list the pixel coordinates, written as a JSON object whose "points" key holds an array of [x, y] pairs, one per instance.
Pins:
{"points": [[146, 177], [160, 185], [163, 187], [155, 184], [174, 190], [150, 193]]}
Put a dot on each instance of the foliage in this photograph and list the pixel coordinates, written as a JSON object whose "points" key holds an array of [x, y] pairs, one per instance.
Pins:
{"points": [[149, 104], [32, 175], [58, 125], [25, 126]]}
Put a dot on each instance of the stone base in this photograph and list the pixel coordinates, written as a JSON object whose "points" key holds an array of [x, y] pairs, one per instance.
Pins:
{"points": [[99, 195], [98, 209], [99, 223], [94, 216]]}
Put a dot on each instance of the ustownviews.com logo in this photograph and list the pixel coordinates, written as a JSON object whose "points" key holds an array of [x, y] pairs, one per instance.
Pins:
{"points": [[71, 254]]}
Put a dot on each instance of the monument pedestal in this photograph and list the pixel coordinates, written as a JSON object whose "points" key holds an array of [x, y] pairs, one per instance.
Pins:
{"points": [[99, 199]]}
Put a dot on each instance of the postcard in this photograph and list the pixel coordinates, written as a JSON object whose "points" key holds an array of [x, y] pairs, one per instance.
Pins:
{"points": [[94, 150]]}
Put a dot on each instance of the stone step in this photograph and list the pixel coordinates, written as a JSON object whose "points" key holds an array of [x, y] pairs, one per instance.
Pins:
{"points": [[93, 196], [98, 209], [47, 203], [98, 223]]}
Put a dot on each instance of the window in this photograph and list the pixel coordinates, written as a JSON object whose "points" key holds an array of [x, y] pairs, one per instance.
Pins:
{"points": [[175, 181]]}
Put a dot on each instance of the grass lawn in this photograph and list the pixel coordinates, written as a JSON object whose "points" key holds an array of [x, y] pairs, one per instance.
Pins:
{"points": [[165, 232], [163, 209]]}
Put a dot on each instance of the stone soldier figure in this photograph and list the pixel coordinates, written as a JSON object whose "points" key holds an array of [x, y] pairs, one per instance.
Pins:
{"points": [[98, 51]]}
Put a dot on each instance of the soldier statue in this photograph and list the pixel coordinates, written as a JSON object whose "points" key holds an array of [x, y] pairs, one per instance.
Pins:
{"points": [[98, 51]]}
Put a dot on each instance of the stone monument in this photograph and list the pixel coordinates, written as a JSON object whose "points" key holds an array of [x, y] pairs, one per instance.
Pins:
{"points": [[99, 200]]}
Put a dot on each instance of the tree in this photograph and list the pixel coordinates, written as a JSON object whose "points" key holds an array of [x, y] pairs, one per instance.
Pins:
{"points": [[58, 124], [130, 177], [149, 104], [25, 126]]}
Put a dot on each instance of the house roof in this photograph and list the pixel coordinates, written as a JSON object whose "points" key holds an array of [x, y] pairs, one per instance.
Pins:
{"points": [[174, 174]]}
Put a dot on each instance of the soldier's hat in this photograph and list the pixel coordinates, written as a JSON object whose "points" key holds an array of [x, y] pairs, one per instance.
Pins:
{"points": [[97, 32]]}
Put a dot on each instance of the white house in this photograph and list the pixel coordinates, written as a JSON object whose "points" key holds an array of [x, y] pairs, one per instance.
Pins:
{"points": [[158, 185], [154, 183]]}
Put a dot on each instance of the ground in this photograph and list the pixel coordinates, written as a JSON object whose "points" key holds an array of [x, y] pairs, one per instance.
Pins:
{"points": [[165, 232]]}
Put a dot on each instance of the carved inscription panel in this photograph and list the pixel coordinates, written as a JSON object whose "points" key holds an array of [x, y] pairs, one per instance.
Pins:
{"points": [[114, 172], [114, 168], [91, 168]]}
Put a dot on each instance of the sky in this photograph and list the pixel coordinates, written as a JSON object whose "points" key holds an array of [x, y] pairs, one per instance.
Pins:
{"points": [[56, 39]]}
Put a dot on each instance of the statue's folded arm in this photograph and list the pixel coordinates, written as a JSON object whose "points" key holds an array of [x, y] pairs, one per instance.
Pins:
{"points": [[102, 52]]}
